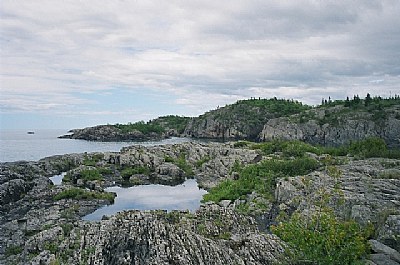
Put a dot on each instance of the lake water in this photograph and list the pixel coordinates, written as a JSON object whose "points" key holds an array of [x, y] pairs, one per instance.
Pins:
{"points": [[57, 179], [186, 196], [18, 145]]}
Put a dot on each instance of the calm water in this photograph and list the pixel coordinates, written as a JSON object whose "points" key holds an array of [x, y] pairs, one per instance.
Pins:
{"points": [[18, 145], [186, 196], [57, 179]]}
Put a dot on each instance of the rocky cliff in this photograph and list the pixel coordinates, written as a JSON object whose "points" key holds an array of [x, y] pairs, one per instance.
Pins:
{"points": [[337, 125], [241, 120]]}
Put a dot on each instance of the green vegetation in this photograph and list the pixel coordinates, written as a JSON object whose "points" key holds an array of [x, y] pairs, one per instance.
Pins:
{"points": [[181, 163], [283, 107], [370, 147], [249, 116], [260, 178], [172, 122], [141, 126], [287, 148], [203, 160], [293, 161], [323, 239], [13, 250], [91, 174], [368, 103], [67, 228], [377, 107], [91, 160], [157, 126], [82, 194], [128, 172]]}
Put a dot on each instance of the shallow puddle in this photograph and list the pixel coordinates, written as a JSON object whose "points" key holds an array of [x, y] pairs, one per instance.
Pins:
{"points": [[57, 179], [186, 196]]}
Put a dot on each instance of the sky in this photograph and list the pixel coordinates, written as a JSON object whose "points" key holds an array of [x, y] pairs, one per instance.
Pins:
{"points": [[71, 64]]}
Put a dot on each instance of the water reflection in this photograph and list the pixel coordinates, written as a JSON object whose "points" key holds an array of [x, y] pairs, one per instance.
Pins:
{"points": [[186, 196], [57, 179]]}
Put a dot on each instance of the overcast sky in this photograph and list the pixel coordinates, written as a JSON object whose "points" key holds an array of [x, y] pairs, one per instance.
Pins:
{"points": [[68, 64]]}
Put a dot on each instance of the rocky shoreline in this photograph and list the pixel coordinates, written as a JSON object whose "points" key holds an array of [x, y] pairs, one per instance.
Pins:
{"points": [[109, 133], [263, 120], [37, 227]]}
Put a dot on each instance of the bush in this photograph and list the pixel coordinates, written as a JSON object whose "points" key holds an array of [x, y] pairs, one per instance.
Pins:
{"points": [[13, 250], [323, 239], [370, 147], [260, 178], [81, 194], [288, 148], [182, 164], [90, 174], [140, 126], [128, 172]]}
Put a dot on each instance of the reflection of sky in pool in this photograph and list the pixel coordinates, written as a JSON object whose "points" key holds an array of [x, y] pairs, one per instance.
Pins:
{"points": [[57, 178], [186, 196]]}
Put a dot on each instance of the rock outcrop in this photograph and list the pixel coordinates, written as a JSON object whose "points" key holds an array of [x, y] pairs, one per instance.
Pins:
{"points": [[242, 120], [36, 228], [361, 190], [110, 133], [335, 126], [213, 235]]}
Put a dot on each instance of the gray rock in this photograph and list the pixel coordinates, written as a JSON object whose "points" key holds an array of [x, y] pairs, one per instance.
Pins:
{"points": [[361, 213], [389, 232], [353, 126], [378, 247], [225, 203], [382, 259]]}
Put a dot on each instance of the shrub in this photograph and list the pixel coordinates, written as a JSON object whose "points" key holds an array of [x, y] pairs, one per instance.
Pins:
{"points": [[128, 172], [81, 194], [182, 163], [370, 147], [288, 148], [13, 250], [260, 178], [90, 174], [203, 160], [140, 126], [92, 159], [323, 239]]}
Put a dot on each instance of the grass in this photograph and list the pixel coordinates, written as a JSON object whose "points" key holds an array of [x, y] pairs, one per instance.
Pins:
{"points": [[367, 148], [91, 174], [182, 163], [13, 250], [323, 239], [260, 178], [128, 172], [141, 126], [82, 194]]}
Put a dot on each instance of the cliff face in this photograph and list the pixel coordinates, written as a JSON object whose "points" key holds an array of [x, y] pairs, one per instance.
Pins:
{"points": [[242, 120], [336, 126]]}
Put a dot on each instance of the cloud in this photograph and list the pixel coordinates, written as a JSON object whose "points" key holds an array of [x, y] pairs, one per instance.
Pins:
{"points": [[199, 53]]}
